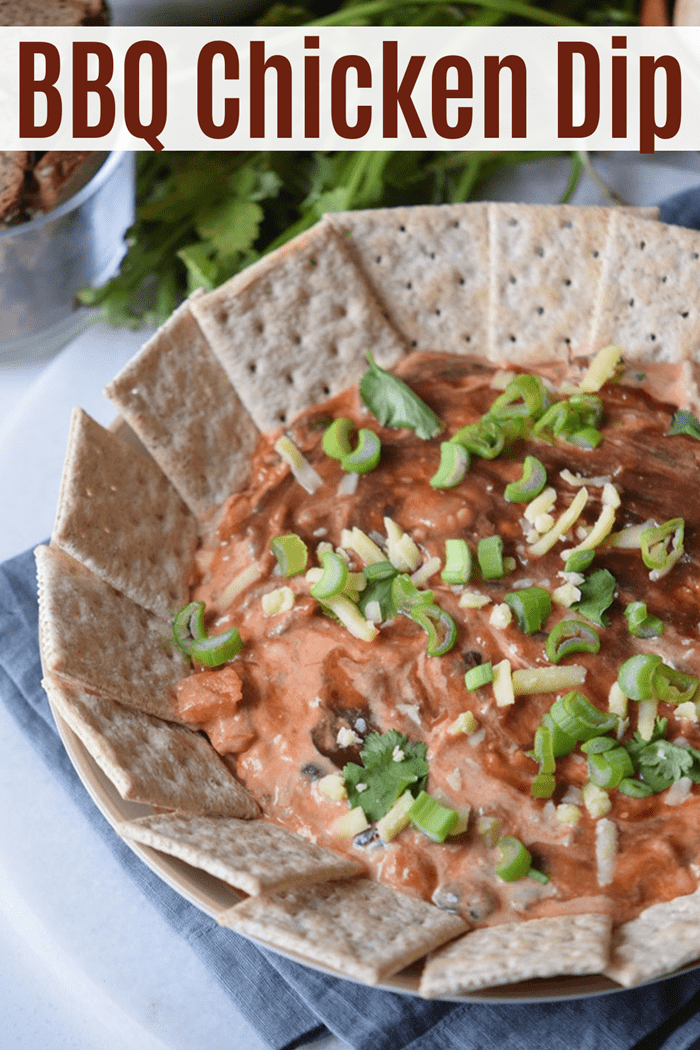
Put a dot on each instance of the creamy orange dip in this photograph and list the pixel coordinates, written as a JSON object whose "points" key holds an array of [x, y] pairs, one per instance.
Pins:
{"points": [[276, 711]]}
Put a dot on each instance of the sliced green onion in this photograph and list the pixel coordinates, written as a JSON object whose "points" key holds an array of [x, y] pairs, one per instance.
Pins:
{"points": [[635, 788], [454, 464], [336, 438], [334, 578], [532, 482], [673, 687], [588, 409], [439, 626], [217, 649], [543, 750], [489, 553], [543, 786], [555, 421], [532, 607], [635, 677], [515, 861], [571, 636], [458, 562], [538, 876], [662, 546], [406, 596], [562, 743], [291, 553], [598, 745], [579, 561], [640, 623], [525, 395], [188, 626], [608, 768], [476, 677], [485, 438], [380, 570], [579, 718], [366, 456], [586, 437], [432, 818]]}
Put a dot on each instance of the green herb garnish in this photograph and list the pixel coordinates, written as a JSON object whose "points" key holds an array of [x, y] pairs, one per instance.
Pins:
{"points": [[684, 422], [597, 594], [391, 763], [394, 404]]}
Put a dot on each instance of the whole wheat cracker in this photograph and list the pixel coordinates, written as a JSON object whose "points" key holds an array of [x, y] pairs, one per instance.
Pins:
{"points": [[648, 302], [429, 266], [293, 328], [663, 938], [119, 515], [546, 263], [361, 928], [518, 951], [98, 638], [254, 856], [177, 398], [149, 760]]}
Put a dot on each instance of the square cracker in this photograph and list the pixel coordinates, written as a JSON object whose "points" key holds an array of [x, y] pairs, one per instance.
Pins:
{"points": [[659, 941], [293, 329], [649, 303], [149, 760], [254, 856], [97, 637], [429, 266], [362, 929], [518, 951], [119, 515], [546, 266], [177, 398]]}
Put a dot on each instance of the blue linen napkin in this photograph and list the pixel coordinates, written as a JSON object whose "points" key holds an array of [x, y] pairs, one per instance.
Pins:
{"points": [[288, 1004]]}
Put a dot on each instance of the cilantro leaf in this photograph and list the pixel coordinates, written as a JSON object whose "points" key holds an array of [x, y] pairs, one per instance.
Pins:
{"points": [[394, 404], [391, 764], [661, 763], [683, 422], [597, 594], [380, 591]]}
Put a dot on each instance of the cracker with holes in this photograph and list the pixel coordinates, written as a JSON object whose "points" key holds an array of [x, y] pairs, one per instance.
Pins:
{"points": [[100, 639], [149, 760], [359, 928], [663, 938], [177, 398], [546, 266], [294, 327], [648, 302], [429, 266], [518, 951], [119, 515], [253, 856]]}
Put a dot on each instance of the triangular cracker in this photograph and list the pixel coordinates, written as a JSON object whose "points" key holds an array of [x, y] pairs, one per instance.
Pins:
{"points": [[177, 398], [97, 637], [546, 265], [363, 929], [119, 515], [149, 760], [429, 266], [254, 856], [293, 328], [518, 951], [663, 938], [649, 303]]}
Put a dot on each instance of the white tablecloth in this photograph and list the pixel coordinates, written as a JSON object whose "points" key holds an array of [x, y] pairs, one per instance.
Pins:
{"points": [[85, 962]]}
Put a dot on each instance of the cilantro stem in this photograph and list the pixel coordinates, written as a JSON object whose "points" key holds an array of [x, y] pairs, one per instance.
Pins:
{"points": [[575, 173], [350, 15]]}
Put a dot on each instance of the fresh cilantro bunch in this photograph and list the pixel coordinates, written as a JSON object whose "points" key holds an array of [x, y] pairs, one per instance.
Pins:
{"points": [[391, 763]]}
